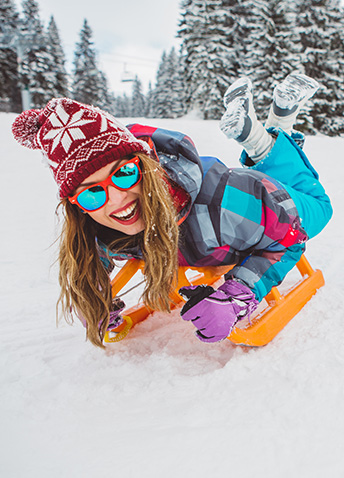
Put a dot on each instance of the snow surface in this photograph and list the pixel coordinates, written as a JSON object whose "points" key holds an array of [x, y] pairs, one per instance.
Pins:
{"points": [[161, 403]]}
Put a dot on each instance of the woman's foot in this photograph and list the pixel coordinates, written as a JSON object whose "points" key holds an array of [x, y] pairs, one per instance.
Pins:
{"points": [[240, 122], [236, 122], [288, 98]]}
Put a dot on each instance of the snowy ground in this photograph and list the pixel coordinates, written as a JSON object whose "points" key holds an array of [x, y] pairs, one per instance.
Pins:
{"points": [[162, 404]]}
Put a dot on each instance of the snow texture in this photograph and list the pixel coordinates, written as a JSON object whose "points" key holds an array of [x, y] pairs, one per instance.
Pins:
{"points": [[161, 403]]}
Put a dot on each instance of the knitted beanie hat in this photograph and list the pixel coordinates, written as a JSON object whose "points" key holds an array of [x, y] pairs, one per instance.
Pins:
{"points": [[76, 139]]}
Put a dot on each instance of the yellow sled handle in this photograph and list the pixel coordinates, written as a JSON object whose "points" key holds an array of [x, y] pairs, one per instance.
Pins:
{"points": [[120, 332]]}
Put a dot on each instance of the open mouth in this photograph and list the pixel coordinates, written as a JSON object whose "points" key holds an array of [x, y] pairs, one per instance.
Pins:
{"points": [[128, 215]]}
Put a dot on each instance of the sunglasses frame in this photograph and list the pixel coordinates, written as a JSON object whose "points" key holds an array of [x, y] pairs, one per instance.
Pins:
{"points": [[108, 182]]}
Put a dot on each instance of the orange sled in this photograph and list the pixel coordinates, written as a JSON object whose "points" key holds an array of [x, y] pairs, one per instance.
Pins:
{"points": [[262, 327]]}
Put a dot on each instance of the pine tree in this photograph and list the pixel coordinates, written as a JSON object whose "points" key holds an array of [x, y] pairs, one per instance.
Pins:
{"points": [[57, 53], [160, 100], [269, 54], [106, 96], [138, 102], [10, 98], [208, 53], [320, 27], [122, 107], [333, 120], [238, 25], [168, 94], [89, 85], [36, 73], [149, 100], [176, 84], [285, 50]]}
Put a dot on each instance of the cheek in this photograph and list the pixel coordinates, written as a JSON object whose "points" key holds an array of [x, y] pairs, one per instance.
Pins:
{"points": [[137, 189], [98, 216]]}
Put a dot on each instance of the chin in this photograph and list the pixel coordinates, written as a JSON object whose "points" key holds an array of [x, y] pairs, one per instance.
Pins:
{"points": [[130, 230]]}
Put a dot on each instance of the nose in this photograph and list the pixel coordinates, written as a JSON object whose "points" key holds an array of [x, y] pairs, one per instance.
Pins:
{"points": [[117, 197]]}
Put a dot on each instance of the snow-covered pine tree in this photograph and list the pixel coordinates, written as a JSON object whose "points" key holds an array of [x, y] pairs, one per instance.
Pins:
{"points": [[320, 28], [88, 82], [10, 98], [208, 53], [37, 61], [255, 35], [236, 29], [138, 101], [334, 123], [149, 99], [284, 53], [270, 53], [122, 106], [176, 84], [160, 100], [106, 96], [168, 95], [58, 66]]}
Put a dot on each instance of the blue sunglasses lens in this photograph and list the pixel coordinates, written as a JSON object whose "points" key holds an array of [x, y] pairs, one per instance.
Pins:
{"points": [[92, 198], [127, 176]]}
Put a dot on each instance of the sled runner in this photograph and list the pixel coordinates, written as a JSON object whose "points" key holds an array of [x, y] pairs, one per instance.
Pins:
{"points": [[262, 327]]}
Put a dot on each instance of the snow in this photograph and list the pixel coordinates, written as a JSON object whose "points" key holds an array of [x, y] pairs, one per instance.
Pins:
{"points": [[161, 403]]}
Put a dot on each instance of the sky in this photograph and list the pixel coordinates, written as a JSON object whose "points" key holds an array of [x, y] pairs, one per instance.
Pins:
{"points": [[128, 35]]}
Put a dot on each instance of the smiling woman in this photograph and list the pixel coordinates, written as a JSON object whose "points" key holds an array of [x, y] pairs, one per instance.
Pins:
{"points": [[99, 167], [144, 192]]}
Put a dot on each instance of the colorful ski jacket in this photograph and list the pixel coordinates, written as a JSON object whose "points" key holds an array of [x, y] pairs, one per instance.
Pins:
{"points": [[238, 216]]}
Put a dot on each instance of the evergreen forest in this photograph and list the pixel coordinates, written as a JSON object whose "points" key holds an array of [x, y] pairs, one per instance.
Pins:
{"points": [[220, 41]]}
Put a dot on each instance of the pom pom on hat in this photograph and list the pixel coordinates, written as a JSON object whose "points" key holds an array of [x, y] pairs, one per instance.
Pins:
{"points": [[76, 139], [26, 127]]}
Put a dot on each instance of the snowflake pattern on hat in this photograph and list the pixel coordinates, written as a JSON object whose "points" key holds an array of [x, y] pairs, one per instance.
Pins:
{"points": [[65, 128], [76, 140]]}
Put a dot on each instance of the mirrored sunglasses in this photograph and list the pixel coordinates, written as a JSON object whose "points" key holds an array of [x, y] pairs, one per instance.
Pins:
{"points": [[94, 197]]}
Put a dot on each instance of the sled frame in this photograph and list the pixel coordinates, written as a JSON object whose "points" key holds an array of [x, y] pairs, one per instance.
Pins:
{"points": [[262, 327]]}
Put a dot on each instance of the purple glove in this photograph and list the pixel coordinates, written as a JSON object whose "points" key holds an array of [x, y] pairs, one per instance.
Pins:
{"points": [[215, 312], [115, 318]]}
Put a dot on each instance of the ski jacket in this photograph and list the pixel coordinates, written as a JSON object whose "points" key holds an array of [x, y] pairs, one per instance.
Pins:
{"points": [[237, 216]]}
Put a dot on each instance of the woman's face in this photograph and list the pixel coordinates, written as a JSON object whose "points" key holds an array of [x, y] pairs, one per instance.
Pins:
{"points": [[122, 212]]}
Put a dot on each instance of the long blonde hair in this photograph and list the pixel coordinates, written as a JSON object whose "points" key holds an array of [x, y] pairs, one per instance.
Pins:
{"points": [[85, 284]]}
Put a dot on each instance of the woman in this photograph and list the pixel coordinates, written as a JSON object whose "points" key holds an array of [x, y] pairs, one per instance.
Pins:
{"points": [[144, 192]]}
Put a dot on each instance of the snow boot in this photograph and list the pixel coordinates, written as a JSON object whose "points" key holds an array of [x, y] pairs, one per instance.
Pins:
{"points": [[240, 122], [288, 98]]}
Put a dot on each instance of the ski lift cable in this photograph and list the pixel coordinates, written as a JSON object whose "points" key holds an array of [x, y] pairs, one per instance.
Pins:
{"points": [[130, 58]]}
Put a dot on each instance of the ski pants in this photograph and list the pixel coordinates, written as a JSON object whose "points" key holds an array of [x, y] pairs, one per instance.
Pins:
{"points": [[288, 164]]}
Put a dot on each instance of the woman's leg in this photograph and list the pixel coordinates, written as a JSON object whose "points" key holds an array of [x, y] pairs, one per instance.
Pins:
{"points": [[277, 154], [240, 121], [287, 163]]}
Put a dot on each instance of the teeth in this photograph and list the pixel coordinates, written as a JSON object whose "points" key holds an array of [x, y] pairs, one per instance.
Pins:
{"points": [[126, 212]]}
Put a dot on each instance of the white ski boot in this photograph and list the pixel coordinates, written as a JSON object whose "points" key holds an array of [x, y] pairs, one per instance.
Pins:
{"points": [[288, 98], [240, 122]]}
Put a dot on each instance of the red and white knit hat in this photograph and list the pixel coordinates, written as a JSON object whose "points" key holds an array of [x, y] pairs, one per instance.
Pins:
{"points": [[76, 139]]}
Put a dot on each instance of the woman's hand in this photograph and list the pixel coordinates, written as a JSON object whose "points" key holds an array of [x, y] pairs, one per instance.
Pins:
{"points": [[115, 315], [215, 312]]}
